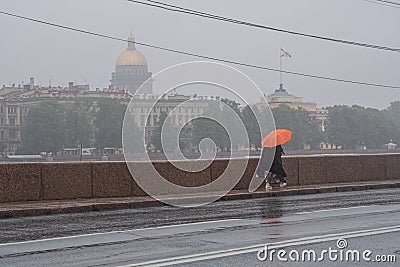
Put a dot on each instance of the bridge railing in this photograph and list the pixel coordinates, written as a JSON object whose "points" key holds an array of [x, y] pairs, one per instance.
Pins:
{"points": [[70, 180]]}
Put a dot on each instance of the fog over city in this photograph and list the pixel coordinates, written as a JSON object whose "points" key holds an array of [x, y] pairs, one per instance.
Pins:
{"points": [[199, 133], [57, 56]]}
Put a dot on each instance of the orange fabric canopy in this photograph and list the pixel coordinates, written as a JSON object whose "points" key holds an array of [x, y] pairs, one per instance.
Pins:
{"points": [[277, 137]]}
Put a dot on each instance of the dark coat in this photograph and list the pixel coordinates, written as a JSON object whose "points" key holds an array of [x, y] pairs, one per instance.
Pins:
{"points": [[274, 154], [277, 166]]}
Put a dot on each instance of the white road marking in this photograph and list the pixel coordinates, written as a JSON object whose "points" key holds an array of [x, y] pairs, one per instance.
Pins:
{"points": [[167, 230], [256, 248], [174, 226], [186, 224], [117, 232]]}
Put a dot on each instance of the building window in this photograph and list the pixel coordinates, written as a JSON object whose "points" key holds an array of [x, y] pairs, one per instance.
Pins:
{"points": [[13, 147], [154, 120], [142, 120], [12, 122], [12, 134], [12, 109], [2, 135], [1, 121]]}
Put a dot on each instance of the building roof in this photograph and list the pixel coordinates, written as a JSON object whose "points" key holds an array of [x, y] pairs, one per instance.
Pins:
{"points": [[281, 93], [281, 96], [131, 56]]}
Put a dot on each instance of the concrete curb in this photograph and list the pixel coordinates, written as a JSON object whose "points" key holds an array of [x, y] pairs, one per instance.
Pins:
{"points": [[36, 208]]}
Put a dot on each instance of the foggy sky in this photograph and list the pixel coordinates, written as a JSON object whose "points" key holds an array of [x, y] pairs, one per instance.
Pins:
{"points": [[33, 50]]}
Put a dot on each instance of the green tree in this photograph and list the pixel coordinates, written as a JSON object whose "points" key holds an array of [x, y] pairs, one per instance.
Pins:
{"points": [[207, 128], [78, 126], [210, 128], [305, 130], [44, 129], [392, 113], [252, 127], [109, 120], [341, 128], [356, 125], [171, 134], [132, 136], [314, 135], [155, 138]]}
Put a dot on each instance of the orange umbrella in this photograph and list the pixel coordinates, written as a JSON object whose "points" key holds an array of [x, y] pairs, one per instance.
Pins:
{"points": [[277, 137]]}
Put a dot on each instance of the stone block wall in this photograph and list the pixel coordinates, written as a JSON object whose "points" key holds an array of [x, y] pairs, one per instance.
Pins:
{"points": [[71, 180]]}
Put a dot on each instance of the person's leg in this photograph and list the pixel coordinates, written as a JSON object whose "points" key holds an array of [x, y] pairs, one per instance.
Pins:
{"points": [[283, 181], [268, 181]]}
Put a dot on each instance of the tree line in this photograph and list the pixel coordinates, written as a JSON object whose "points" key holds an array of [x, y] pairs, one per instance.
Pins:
{"points": [[348, 126], [52, 126], [305, 131], [360, 126]]}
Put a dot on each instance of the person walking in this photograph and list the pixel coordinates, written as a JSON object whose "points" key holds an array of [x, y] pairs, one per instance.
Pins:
{"points": [[273, 151], [277, 166], [276, 173]]}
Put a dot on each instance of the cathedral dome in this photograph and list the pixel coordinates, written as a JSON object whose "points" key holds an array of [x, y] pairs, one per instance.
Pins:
{"points": [[131, 56]]}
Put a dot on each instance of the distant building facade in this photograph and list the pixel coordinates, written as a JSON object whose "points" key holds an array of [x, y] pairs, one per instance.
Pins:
{"points": [[131, 72], [16, 102], [281, 96], [321, 115], [185, 108], [391, 145]]}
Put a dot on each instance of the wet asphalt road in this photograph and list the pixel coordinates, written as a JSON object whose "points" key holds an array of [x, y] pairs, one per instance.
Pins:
{"points": [[382, 245], [215, 227]]}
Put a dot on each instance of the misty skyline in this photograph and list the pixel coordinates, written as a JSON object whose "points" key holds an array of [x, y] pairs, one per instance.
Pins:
{"points": [[47, 53]]}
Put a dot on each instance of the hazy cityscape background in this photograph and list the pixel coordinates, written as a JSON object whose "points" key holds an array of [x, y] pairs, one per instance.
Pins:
{"points": [[199, 133], [59, 56], [66, 92]]}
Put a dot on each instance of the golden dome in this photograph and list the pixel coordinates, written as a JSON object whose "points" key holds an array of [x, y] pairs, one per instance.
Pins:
{"points": [[131, 56]]}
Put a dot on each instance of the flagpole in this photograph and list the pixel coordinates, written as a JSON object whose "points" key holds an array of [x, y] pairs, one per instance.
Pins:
{"points": [[280, 66]]}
